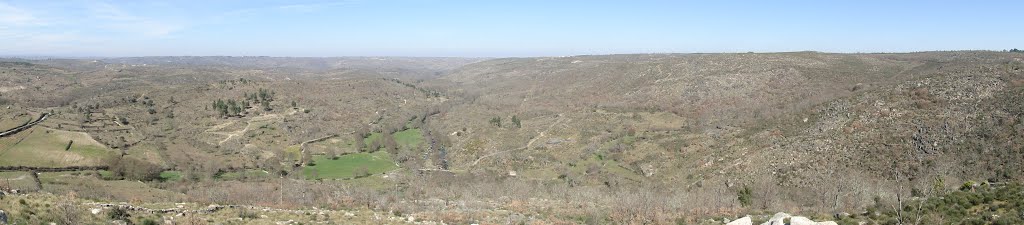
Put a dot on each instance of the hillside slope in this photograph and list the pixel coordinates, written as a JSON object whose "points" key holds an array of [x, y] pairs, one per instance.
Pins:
{"points": [[794, 123]]}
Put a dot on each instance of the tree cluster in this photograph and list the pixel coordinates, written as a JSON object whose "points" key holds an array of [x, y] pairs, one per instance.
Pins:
{"points": [[235, 108], [428, 92], [516, 123], [133, 169], [229, 107], [262, 97], [496, 121]]}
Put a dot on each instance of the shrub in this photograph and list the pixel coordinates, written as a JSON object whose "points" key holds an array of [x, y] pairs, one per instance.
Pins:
{"points": [[118, 213], [247, 214], [496, 121], [515, 121], [134, 169], [745, 196], [967, 186], [149, 222]]}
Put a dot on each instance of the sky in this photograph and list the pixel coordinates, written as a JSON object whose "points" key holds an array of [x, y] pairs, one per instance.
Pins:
{"points": [[486, 28]]}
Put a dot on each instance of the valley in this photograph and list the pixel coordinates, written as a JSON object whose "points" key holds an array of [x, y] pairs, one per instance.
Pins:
{"points": [[591, 139]]}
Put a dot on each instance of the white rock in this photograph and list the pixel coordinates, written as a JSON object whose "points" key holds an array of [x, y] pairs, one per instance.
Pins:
{"points": [[410, 219], [741, 221], [96, 211], [799, 220], [777, 219]]}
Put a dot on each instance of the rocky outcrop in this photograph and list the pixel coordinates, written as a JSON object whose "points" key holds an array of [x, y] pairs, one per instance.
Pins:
{"points": [[780, 219], [741, 221], [799, 220], [3, 217], [777, 219]]}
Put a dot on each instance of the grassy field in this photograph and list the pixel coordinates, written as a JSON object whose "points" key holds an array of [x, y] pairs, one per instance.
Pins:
{"points": [[85, 184], [46, 148], [348, 166], [341, 144], [293, 152], [14, 122], [409, 138], [170, 175], [370, 139]]}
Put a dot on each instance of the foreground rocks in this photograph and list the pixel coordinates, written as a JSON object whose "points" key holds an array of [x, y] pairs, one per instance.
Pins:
{"points": [[777, 219], [781, 219], [741, 221]]}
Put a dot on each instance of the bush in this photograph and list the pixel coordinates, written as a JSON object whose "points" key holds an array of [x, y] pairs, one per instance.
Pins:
{"points": [[119, 213], [134, 169], [247, 214], [496, 121], [745, 196]]}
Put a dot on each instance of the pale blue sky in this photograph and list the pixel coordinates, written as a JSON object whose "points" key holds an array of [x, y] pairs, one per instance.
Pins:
{"points": [[500, 28]]}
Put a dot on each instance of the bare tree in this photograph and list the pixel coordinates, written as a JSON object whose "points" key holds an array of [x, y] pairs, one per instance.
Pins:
{"points": [[66, 211]]}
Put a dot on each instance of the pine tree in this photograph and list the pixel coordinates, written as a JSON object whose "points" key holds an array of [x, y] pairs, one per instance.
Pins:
{"points": [[516, 122]]}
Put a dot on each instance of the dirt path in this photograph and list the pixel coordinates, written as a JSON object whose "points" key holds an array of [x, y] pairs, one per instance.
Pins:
{"points": [[248, 125], [528, 144], [22, 177], [560, 117]]}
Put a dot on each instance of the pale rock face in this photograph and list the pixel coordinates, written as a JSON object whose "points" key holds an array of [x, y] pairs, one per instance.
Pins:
{"points": [[799, 220], [777, 219], [648, 170], [96, 211], [741, 221]]}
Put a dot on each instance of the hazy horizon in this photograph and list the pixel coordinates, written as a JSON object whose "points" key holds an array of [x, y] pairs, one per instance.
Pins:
{"points": [[90, 29], [38, 57]]}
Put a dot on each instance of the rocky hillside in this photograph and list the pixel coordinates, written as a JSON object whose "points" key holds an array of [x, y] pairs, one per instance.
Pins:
{"points": [[794, 123], [653, 138]]}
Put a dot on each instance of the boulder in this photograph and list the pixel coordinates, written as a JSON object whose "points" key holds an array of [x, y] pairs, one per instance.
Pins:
{"points": [[777, 219], [741, 221], [799, 220], [3, 217], [648, 170]]}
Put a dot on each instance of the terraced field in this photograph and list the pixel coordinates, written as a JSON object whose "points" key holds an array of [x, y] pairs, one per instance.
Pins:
{"points": [[44, 147]]}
